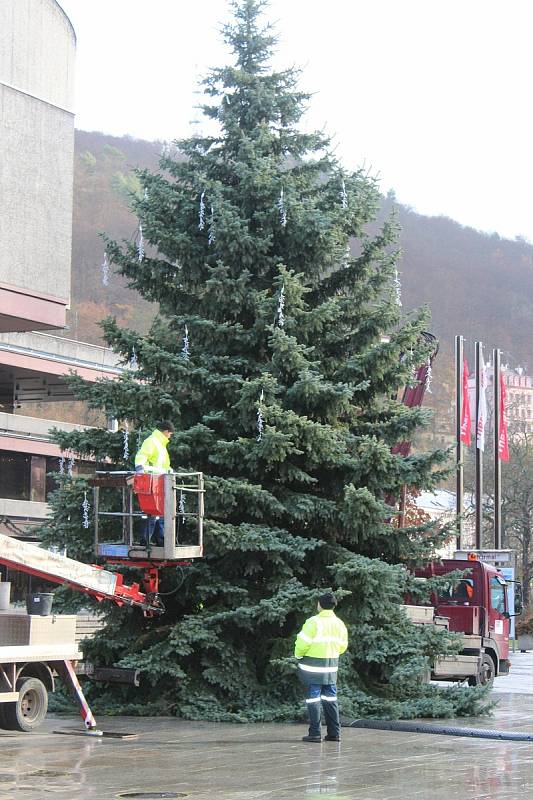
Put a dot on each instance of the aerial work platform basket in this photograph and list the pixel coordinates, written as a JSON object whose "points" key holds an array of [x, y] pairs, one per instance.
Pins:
{"points": [[177, 498]]}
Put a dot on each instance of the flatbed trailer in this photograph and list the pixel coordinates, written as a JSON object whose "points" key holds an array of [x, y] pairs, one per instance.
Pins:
{"points": [[34, 652]]}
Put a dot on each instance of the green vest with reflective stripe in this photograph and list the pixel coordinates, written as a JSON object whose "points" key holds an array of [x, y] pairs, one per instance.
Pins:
{"points": [[153, 454], [319, 644]]}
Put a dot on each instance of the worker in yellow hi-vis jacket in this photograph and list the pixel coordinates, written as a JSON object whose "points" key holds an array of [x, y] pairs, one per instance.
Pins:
{"points": [[152, 456], [319, 644]]}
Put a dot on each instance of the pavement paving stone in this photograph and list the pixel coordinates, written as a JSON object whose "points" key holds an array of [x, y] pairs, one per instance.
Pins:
{"points": [[217, 761]]}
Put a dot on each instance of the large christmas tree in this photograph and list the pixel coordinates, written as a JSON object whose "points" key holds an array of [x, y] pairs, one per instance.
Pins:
{"points": [[278, 352]]}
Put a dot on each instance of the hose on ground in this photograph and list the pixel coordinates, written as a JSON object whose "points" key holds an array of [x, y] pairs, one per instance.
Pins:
{"points": [[442, 730]]}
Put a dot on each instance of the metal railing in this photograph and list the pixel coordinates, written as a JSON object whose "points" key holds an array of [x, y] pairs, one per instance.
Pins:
{"points": [[181, 519]]}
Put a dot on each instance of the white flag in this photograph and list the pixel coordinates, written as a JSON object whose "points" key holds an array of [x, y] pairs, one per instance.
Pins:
{"points": [[482, 405]]}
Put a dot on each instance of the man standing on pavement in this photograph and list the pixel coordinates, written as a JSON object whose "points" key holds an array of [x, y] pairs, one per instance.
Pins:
{"points": [[319, 644], [153, 457]]}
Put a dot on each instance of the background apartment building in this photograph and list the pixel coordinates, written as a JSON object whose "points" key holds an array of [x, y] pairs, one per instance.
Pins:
{"points": [[519, 400]]}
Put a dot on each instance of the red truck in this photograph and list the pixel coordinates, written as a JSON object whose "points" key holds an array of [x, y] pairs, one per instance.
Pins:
{"points": [[478, 606]]}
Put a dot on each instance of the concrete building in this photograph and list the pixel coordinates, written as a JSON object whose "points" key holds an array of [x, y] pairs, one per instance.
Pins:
{"points": [[519, 400], [37, 49], [37, 52], [439, 505]]}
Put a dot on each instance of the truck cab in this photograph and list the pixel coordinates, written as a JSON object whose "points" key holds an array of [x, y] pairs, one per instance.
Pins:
{"points": [[477, 605]]}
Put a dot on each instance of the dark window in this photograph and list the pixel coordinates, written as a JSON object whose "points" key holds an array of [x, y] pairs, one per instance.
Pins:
{"points": [[15, 475], [52, 471], [38, 478], [497, 595]]}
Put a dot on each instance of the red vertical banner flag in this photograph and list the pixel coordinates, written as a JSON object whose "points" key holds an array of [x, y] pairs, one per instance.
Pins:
{"points": [[503, 441], [466, 417]]}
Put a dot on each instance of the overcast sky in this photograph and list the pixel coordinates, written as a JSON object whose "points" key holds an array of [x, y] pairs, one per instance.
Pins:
{"points": [[434, 95]]}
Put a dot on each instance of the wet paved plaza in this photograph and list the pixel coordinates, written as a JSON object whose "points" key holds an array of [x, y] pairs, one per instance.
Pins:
{"points": [[202, 761]]}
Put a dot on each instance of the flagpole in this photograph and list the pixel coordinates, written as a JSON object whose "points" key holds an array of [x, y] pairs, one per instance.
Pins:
{"points": [[459, 477], [497, 459], [479, 452]]}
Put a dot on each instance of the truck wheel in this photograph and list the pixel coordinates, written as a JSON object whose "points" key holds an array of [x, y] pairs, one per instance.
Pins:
{"points": [[30, 709], [486, 674]]}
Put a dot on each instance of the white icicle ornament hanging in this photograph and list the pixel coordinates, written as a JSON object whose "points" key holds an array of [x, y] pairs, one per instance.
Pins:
{"points": [[85, 507], [212, 233], [181, 507], [133, 363], [70, 466], [201, 213], [397, 288], [260, 419], [105, 270], [344, 195], [347, 256], [282, 209], [126, 442], [140, 245], [186, 350], [281, 307], [429, 377]]}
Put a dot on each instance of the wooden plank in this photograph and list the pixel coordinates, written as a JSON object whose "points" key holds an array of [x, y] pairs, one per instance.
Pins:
{"points": [[40, 652], [419, 614], [456, 666], [9, 697]]}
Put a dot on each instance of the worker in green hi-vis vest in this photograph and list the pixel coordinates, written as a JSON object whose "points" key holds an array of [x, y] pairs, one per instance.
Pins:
{"points": [[152, 456], [319, 644]]}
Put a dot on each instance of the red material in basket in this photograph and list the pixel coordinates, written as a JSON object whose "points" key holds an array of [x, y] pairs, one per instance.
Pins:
{"points": [[150, 491]]}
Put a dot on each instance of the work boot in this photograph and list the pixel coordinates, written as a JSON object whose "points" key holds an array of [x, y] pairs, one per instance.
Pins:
{"points": [[329, 738], [311, 738]]}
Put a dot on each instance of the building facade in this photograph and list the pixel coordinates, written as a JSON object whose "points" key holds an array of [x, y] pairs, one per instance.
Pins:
{"points": [[37, 50], [37, 55], [519, 410]]}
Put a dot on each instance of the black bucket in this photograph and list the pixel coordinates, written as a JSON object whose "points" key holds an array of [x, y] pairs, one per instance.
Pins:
{"points": [[40, 604]]}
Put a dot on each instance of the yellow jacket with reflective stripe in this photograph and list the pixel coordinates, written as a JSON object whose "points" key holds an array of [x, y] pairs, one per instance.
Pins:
{"points": [[322, 636], [153, 454]]}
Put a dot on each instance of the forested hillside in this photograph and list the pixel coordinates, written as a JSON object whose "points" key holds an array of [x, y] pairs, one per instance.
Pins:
{"points": [[103, 181], [477, 284]]}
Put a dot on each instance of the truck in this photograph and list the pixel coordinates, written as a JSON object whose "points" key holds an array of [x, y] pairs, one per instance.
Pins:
{"points": [[477, 606], [36, 649]]}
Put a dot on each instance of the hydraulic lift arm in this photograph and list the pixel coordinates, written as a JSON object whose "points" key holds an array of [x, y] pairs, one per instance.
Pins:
{"points": [[93, 580]]}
